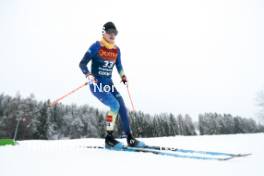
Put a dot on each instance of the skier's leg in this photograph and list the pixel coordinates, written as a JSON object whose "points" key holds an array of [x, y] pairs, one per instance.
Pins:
{"points": [[109, 100], [123, 112]]}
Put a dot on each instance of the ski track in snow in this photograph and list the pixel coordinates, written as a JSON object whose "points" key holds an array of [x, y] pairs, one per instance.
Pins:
{"points": [[71, 158]]}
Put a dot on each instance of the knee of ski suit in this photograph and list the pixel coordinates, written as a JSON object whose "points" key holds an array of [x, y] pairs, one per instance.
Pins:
{"points": [[107, 98]]}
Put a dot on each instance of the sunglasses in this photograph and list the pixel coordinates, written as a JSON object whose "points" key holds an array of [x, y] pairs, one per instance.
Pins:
{"points": [[111, 31]]}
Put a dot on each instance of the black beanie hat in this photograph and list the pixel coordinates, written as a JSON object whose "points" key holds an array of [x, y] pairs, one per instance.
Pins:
{"points": [[110, 27]]}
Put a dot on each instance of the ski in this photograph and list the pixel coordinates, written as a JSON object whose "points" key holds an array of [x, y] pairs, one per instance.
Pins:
{"points": [[200, 156], [162, 148]]}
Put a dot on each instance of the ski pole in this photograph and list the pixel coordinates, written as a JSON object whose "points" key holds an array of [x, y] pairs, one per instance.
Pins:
{"points": [[133, 108], [69, 93], [49, 106]]}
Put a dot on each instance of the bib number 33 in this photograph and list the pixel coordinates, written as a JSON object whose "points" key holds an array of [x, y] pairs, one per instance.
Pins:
{"points": [[108, 64]]}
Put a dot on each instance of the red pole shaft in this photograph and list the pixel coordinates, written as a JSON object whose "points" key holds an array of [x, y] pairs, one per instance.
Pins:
{"points": [[69, 93], [133, 108]]}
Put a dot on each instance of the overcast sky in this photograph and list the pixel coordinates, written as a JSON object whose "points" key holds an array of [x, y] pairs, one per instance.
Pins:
{"points": [[179, 56]]}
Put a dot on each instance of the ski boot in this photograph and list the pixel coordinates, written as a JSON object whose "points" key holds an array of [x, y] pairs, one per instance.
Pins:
{"points": [[132, 142], [111, 142]]}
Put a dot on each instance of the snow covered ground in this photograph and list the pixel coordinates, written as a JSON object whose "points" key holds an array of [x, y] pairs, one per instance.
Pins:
{"points": [[70, 158]]}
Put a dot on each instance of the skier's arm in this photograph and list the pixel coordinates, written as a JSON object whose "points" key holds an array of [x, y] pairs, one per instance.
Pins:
{"points": [[87, 57], [119, 66], [83, 64]]}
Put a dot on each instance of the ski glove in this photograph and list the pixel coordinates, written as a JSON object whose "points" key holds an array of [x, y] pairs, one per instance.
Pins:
{"points": [[91, 78], [124, 79]]}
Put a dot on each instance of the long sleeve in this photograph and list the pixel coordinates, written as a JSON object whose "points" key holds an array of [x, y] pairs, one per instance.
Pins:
{"points": [[83, 64], [87, 58], [119, 66]]}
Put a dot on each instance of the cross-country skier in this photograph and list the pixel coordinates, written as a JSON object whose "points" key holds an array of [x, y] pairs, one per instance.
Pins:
{"points": [[104, 55]]}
